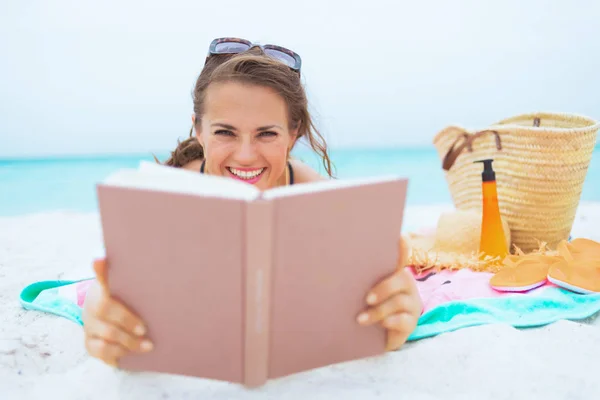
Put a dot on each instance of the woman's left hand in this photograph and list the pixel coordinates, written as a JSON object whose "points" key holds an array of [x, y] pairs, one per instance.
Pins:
{"points": [[395, 303]]}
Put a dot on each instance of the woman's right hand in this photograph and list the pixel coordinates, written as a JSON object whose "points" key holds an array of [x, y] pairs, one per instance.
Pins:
{"points": [[111, 329]]}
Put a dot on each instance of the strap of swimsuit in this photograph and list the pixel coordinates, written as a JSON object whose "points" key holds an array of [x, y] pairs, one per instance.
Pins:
{"points": [[202, 167], [291, 173]]}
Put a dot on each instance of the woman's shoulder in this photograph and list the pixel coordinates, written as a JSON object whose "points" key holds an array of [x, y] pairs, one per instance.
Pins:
{"points": [[193, 165], [304, 173]]}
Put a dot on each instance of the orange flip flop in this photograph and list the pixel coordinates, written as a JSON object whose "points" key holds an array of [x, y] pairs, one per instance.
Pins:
{"points": [[528, 273], [579, 248], [581, 276]]}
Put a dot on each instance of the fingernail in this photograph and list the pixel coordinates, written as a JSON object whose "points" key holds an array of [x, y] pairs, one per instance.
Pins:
{"points": [[139, 330], [371, 298], [363, 317], [146, 345], [390, 321]]}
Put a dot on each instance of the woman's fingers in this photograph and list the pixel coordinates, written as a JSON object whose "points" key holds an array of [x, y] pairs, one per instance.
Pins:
{"points": [[111, 329], [401, 321], [101, 271], [399, 282], [397, 304], [108, 352], [403, 252], [113, 334], [110, 310], [396, 338], [115, 313]]}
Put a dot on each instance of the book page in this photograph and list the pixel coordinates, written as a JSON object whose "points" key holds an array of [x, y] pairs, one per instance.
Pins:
{"points": [[322, 186], [176, 180]]}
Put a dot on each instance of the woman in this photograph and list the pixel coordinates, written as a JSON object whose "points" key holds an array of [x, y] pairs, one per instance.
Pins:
{"points": [[249, 110]]}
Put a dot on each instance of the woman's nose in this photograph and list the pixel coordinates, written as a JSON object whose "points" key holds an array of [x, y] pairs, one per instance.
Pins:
{"points": [[246, 154]]}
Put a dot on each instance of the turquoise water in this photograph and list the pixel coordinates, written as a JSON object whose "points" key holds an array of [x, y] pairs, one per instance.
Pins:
{"points": [[40, 185]]}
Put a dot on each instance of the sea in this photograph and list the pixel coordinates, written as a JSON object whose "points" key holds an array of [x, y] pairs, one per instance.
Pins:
{"points": [[38, 185]]}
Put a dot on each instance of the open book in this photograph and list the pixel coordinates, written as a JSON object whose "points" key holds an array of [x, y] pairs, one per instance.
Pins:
{"points": [[240, 285]]}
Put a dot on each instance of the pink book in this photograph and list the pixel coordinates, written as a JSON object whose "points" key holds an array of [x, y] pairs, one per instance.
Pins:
{"points": [[240, 285]]}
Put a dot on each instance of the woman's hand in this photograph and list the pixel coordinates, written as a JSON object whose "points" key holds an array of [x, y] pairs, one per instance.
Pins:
{"points": [[395, 303], [111, 330]]}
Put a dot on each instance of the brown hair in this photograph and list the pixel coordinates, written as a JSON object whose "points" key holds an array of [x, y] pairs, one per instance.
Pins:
{"points": [[253, 67]]}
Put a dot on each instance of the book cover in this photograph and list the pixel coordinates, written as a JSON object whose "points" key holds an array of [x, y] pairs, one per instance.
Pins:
{"points": [[244, 286]]}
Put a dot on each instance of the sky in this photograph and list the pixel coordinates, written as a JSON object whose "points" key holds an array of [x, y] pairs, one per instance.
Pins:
{"points": [[83, 77]]}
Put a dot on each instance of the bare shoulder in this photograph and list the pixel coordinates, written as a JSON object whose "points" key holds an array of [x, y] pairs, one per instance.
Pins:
{"points": [[303, 173], [193, 165]]}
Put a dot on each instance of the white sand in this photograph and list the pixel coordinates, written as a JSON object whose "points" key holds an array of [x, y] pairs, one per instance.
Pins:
{"points": [[42, 356]]}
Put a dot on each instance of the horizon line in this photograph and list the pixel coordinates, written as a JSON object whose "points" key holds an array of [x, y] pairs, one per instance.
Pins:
{"points": [[159, 154]]}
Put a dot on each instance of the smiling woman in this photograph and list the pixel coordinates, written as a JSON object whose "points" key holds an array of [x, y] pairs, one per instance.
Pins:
{"points": [[249, 111]]}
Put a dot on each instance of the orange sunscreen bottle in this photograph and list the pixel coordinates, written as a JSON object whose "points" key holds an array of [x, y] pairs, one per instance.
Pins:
{"points": [[493, 241]]}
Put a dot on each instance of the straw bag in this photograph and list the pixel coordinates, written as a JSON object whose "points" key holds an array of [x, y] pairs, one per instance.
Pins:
{"points": [[541, 161]]}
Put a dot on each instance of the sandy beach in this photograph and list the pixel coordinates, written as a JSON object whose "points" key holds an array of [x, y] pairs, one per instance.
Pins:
{"points": [[42, 356]]}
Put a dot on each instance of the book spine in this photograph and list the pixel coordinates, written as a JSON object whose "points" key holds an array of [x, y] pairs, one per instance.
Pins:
{"points": [[259, 254]]}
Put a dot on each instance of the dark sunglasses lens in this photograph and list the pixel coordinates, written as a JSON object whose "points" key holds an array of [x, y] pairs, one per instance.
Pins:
{"points": [[231, 47], [281, 56]]}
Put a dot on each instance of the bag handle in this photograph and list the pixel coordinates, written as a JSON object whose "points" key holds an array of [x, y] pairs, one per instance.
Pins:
{"points": [[467, 141]]}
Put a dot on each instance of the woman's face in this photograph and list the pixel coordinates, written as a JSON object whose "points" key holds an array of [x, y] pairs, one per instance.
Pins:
{"points": [[244, 133]]}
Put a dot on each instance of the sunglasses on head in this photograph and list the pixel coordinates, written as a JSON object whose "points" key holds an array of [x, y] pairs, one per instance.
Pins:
{"points": [[235, 45]]}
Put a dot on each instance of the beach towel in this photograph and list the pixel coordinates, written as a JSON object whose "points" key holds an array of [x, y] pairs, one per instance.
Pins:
{"points": [[452, 300], [62, 298]]}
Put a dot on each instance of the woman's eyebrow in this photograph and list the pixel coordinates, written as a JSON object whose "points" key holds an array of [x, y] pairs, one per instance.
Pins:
{"points": [[224, 126], [266, 128]]}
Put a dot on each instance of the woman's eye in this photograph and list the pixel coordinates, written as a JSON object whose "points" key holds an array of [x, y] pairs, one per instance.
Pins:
{"points": [[224, 133], [268, 134]]}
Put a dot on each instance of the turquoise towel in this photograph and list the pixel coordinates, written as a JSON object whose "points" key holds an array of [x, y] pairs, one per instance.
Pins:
{"points": [[62, 298], [547, 305], [550, 304]]}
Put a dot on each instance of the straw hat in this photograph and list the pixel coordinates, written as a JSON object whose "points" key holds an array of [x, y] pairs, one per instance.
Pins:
{"points": [[454, 244]]}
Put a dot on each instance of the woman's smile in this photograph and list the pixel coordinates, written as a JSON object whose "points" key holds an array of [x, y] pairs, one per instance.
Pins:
{"points": [[249, 175]]}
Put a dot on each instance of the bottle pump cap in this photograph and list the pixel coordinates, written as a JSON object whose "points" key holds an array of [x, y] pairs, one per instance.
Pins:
{"points": [[488, 174]]}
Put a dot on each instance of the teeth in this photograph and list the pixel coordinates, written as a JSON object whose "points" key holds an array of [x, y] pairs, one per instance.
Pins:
{"points": [[246, 174]]}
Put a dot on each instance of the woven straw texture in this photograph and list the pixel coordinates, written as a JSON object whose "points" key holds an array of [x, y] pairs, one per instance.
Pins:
{"points": [[540, 171]]}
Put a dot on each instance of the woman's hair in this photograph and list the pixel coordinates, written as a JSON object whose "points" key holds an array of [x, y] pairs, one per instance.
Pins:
{"points": [[255, 68]]}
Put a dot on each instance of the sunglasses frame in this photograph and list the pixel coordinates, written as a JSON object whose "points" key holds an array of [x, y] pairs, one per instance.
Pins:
{"points": [[212, 50]]}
